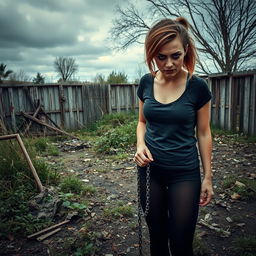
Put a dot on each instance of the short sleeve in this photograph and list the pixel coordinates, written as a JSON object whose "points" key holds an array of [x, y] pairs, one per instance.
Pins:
{"points": [[203, 94], [140, 91], [142, 86]]}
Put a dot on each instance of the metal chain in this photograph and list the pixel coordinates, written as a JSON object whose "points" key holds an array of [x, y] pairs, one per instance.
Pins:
{"points": [[140, 211]]}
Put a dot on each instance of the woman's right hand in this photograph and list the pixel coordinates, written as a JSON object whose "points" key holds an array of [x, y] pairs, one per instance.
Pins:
{"points": [[143, 156]]}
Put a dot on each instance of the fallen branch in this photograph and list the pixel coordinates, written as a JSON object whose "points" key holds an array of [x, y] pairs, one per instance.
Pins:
{"points": [[34, 115], [41, 238], [47, 229], [47, 125], [219, 230]]}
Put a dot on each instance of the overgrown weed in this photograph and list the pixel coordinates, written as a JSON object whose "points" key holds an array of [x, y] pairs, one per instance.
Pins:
{"points": [[18, 187]]}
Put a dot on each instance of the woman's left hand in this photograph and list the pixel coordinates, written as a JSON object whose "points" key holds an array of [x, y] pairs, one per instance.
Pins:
{"points": [[206, 192]]}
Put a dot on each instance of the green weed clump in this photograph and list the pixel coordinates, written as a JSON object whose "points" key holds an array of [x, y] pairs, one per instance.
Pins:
{"points": [[18, 187], [200, 248], [247, 192], [113, 133], [43, 146], [245, 246], [121, 210], [232, 136], [72, 184], [112, 121]]}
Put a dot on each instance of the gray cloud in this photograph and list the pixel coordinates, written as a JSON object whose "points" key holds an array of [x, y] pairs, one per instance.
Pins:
{"points": [[34, 33]]}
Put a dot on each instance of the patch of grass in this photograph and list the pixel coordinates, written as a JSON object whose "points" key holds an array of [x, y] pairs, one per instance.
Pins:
{"points": [[199, 248], [232, 136], [71, 184], [117, 139], [102, 169], [43, 146], [52, 150], [88, 190], [121, 210], [18, 187], [246, 192], [112, 120], [84, 244], [245, 245]]}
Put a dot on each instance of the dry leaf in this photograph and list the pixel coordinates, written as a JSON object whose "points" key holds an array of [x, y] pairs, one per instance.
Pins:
{"points": [[235, 196]]}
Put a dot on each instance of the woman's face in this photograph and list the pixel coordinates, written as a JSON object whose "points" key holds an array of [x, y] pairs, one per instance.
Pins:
{"points": [[170, 58]]}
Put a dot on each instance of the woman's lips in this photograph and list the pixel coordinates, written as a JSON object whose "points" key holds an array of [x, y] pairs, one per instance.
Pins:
{"points": [[169, 71]]}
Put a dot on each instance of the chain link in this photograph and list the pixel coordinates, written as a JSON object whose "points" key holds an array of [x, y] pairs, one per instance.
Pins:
{"points": [[140, 211]]}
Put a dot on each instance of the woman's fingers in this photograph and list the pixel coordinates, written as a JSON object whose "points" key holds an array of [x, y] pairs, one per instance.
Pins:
{"points": [[205, 197], [143, 159]]}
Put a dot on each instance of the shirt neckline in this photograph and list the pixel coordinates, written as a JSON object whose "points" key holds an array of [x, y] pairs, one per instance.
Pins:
{"points": [[169, 103]]}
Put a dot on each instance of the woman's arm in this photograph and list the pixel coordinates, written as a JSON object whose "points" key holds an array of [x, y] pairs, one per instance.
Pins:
{"points": [[204, 138], [143, 155]]}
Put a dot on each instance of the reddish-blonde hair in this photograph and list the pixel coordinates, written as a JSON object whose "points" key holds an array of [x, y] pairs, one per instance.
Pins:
{"points": [[164, 32]]}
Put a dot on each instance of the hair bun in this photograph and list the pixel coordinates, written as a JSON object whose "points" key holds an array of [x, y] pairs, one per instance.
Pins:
{"points": [[183, 22]]}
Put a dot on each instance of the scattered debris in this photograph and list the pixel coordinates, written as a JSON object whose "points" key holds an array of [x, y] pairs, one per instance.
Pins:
{"points": [[47, 125], [45, 204], [74, 145], [47, 229], [41, 238], [223, 233]]}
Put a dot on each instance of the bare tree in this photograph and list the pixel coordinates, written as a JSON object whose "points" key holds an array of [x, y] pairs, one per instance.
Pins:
{"points": [[19, 76], [224, 30], [65, 67]]}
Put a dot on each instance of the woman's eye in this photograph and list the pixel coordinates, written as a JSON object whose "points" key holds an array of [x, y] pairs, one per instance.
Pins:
{"points": [[176, 56], [161, 57]]}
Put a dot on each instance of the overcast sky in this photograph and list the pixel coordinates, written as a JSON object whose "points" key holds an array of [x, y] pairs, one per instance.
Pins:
{"points": [[34, 32]]}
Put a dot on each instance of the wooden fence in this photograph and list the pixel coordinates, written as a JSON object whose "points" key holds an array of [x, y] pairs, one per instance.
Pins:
{"points": [[234, 101], [76, 106], [69, 106]]}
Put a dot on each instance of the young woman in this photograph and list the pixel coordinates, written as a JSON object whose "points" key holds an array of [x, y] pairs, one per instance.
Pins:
{"points": [[174, 105]]}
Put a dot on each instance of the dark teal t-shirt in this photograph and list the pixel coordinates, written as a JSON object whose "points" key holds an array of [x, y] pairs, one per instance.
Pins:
{"points": [[170, 128]]}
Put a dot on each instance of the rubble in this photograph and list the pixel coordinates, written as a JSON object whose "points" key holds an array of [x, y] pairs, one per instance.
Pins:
{"points": [[73, 145]]}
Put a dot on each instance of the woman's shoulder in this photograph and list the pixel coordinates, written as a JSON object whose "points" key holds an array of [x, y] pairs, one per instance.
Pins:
{"points": [[198, 82], [146, 77]]}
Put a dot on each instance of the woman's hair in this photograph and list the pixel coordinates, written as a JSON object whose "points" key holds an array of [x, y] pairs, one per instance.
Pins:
{"points": [[164, 32]]}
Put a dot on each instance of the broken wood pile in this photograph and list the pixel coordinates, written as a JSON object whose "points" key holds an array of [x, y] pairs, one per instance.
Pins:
{"points": [[40, 117]]}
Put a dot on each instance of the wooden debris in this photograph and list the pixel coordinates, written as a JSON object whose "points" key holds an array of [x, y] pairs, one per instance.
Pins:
{"points": [[34, 115], [47, 125], [224, 233], [41, 238], [32, 168], [47, 229]]}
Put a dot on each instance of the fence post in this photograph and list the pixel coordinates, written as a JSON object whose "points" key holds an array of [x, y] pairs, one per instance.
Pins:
{"points": [[109, 99], [12, 109], [118, 103], [230, 103], [62, 109], [252, 130]]}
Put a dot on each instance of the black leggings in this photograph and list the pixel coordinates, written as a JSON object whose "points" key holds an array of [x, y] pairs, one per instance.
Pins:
{"points": [[173, 212]]}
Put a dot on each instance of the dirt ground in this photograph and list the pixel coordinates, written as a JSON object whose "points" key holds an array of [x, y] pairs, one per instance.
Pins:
{"points": [[219, 224]]}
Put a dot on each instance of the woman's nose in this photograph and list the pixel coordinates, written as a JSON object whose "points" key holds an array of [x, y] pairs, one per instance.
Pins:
{"points": [[169, 62]]}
